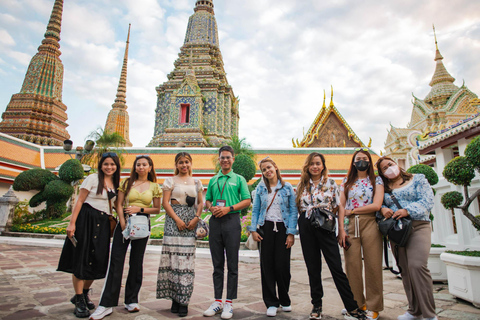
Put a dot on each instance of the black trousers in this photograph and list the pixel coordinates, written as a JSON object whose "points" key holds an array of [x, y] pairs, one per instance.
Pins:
{"points": [[113, 282], [314, 242], [275, 265], [224, 240]]}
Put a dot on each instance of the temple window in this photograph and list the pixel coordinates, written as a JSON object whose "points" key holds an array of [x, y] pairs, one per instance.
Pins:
{"points": [[184, 113]]}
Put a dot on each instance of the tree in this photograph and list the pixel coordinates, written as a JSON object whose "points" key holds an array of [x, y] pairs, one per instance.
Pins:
{"points": [[105, 141], [244, 166], [461, 171], [241, 146]]}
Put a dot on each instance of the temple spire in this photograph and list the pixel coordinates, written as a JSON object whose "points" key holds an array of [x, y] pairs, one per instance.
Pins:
{"points": [[36, 113], [118, 119], [331, 98], [441, 74], [324, 96]]}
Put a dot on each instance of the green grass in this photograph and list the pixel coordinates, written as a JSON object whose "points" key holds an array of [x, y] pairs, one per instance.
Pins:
{"points": [[437, 246]]}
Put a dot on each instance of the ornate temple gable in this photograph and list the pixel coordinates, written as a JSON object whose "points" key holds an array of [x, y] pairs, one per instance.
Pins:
{"points": [[199, 85], [329, 130], [37, 113], [118, 120]]}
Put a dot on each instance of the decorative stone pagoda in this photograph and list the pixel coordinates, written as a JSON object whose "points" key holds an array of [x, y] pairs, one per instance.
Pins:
{"points": [[118, 120], [36, 113], [196, 107], [329, 130], [446, 104]]}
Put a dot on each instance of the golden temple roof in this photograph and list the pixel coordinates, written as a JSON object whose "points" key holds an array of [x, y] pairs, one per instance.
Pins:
{"points": [[313, 133]]}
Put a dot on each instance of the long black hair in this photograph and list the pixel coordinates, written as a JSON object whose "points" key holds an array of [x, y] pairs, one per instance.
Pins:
{"points": [[101, 175]]}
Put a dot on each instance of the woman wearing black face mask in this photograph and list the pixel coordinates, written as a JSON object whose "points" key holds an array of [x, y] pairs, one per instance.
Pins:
{"points": [[362, 194], [177, 262]]}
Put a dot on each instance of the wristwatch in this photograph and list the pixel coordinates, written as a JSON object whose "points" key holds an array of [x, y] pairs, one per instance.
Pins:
{"points": [[231, 208], [142, 210]]}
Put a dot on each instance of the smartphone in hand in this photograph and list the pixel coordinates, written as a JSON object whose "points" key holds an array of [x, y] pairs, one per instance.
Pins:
{"points": [[347, 244], [74, 241]]}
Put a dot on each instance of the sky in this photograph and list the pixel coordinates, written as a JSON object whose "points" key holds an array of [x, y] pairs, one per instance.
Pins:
{"points": [[279, 56]]}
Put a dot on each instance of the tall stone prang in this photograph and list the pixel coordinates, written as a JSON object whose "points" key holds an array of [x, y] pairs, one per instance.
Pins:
{"points": [[36, 113], [196, 106], [118, 120]]}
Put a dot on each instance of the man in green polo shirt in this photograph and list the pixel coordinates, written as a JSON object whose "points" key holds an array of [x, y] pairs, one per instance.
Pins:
{"points": [[227, 195]]}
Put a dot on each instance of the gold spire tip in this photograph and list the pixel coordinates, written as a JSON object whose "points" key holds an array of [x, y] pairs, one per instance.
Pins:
{"points": [[435, 36], [128, 36]]}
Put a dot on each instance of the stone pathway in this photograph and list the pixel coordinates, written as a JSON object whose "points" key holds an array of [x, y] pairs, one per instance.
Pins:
{"points": [[30, 288]]}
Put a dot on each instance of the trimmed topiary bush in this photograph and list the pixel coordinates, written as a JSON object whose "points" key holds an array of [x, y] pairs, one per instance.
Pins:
{"points": [[459, 171], [244, 166], [428, 171], [71, 170], [472, 152], [52, 189], [452, 199]]}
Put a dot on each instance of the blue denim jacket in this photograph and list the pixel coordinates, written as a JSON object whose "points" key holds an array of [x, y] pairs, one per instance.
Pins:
{"points": [[288, 207]]}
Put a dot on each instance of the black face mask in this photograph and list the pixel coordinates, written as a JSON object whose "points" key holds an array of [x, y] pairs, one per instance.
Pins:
{"points": [[362, 165]]}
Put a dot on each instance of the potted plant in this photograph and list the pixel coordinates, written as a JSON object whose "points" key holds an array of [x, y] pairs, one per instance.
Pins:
{"points": [[463, 267], [436, 266]]}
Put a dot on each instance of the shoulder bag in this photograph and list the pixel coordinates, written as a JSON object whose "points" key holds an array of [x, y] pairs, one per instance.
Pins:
{"points": [[322, 218], [397, 231], [202, 230], [252, 244]]}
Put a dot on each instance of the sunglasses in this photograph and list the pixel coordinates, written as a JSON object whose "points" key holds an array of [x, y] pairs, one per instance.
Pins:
{"points": [[143, 156], [361, 149], [267, 157], [109, 154]]}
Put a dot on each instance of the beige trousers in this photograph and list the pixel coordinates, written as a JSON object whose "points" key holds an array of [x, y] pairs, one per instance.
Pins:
{"points": [[367, 245], [417, 281]]}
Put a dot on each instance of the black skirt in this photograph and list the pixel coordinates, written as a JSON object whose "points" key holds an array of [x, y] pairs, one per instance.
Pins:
{"points": [[89, 259]]}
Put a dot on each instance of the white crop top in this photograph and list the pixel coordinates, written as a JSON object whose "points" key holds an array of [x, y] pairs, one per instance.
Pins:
{"points": [[98, 201], [180, 189]]}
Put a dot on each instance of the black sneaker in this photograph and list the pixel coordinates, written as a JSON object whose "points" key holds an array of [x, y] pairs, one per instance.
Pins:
{"points": [[356, 314], [80, 310], [175, 306], [183, 310], [90, 304], [316, 313]]}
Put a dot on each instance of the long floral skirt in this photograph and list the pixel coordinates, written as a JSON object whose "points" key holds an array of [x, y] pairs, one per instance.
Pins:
{"points": [[176, 272]]}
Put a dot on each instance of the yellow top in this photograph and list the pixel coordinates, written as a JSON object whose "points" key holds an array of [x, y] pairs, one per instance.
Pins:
{"points": [[141, 199]]}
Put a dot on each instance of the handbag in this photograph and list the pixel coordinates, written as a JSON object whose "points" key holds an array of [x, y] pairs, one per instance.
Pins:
{"points": [[397, 231], [111, 219], [202, 230], [251, 244], [138, 227], [322, 218]]}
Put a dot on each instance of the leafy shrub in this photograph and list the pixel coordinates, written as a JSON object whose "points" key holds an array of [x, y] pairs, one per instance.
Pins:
{"points": [[465, 253], [36, 229], [437, 246], [472, 152], [452, 199], [459, 171], [428, 171], [33, 179], [71, 170], [244, 166]]}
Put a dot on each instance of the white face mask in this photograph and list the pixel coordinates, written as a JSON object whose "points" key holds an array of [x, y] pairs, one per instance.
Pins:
{"points": [[392, 172]]}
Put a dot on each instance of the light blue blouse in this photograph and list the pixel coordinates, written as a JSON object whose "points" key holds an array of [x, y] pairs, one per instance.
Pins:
{"points": [[416, 197]]}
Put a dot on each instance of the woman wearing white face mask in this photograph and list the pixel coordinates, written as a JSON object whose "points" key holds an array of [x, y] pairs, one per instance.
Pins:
{"points": [[415, 196]]}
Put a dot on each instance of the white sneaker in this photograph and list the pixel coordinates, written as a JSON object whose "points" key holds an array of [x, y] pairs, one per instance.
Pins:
{"points": [[344, 311], [101, 313], [132, 307], [215, 308], [435, 318], [227, 311], [408, 316], [286, 308], [271, 311]]}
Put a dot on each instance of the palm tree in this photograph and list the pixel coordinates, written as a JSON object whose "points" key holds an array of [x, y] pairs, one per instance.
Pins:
{"points": [[241, 146], [105, 141]]}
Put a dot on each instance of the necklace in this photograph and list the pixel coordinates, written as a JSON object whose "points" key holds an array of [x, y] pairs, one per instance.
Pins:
{"points": [[139, 184], [316, 181]]}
